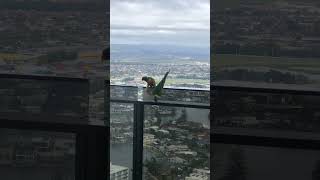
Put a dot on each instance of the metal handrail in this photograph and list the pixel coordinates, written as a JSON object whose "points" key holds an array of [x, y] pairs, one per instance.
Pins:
{"points": [[169, 88], [166, 103]]}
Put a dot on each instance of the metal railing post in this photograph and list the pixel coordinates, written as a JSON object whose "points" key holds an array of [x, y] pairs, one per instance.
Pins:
{"points": [[138, 141]]}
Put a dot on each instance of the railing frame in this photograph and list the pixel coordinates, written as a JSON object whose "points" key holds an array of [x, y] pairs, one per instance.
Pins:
{"points": [[137, 171]]}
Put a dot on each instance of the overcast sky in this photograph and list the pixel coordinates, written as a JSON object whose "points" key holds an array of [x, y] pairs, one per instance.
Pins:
{"points": [[185, 22]]}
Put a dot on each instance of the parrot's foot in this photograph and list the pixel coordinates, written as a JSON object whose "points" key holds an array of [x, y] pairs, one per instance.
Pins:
{"points": [[155, 99]]}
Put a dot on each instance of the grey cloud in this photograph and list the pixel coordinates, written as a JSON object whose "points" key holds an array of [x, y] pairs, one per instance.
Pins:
{"points": [[172, 20]]}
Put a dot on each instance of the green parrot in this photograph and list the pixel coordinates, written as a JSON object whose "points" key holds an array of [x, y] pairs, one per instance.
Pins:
{"points": [[157, 90]]}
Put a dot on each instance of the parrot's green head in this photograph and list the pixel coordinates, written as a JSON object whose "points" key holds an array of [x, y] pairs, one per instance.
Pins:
{"points": [[144, 78]]}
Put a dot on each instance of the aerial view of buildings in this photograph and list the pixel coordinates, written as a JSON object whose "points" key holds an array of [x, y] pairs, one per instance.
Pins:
{"points": [[119, 172], [46, 154], [273, 45], [271, 42], [52, 41]]}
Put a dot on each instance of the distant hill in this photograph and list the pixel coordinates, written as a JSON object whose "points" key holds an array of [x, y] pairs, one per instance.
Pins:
{"points": [[147, 52]]}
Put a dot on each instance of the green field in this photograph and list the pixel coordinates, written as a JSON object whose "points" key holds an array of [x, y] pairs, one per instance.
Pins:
{"points": [[310, 66]]}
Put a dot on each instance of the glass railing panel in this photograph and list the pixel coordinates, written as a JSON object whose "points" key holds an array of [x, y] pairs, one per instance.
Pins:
{"points": [[267, 114], [43, 100], [193, 120], [259, 162], [129, 93], [121, 139], [176, 142], [37, 155], [169, 95], [98, 102], [184, 95]]}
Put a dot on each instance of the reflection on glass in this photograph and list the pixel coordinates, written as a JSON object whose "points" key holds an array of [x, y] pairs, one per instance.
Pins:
{"points": [[43, 100], [97, 101], [267, 111], [264, 163], [176, 143], [121, 147], [37, 155]]}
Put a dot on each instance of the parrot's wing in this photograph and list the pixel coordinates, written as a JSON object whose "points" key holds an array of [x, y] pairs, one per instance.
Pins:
{"points": [[158, 89]]}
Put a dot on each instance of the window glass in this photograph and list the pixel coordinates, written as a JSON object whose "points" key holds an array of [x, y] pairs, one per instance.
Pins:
{"points": [[258, 162], [44, 100], [267, 114], [121, 139], [176, 143], [37, 155]]}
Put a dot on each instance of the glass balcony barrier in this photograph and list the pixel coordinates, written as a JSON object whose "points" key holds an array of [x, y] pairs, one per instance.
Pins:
{"points": [[38, 155], [167, 139]]}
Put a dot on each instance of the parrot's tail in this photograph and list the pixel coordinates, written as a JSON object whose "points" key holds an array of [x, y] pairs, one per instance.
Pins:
{"points": [[159, 88], [163, 80], [165, 76]]}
